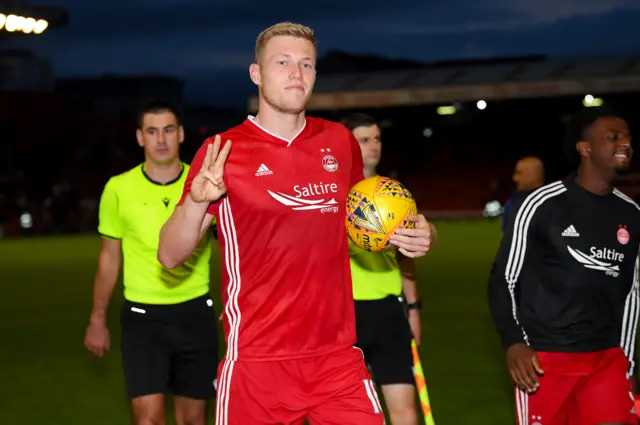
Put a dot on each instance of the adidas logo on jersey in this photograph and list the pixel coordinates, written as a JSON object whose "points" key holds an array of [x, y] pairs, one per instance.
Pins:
{"points": [[570, 232], [263, 170]]}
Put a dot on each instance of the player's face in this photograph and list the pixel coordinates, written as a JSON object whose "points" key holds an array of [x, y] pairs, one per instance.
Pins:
{"points": [[160, 136], [610, 144], [286, 73], [370, 144]]}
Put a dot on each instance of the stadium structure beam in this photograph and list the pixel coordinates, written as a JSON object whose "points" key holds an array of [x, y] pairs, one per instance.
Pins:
{"points": [[447, 94]]}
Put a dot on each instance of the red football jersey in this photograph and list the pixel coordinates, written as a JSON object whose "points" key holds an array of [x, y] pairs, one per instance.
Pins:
{"points": [[286, 279]]}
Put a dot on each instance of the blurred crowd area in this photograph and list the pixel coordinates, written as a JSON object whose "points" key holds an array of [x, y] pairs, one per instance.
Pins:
{"points": [[55, 157]]}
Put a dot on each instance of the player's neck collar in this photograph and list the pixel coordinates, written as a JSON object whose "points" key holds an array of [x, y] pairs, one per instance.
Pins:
{"points": [[252, 120]]}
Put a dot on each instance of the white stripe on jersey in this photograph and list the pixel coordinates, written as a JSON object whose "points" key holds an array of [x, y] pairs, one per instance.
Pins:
{"points": [[232, 264], [232, 310], [631, 305], [519, 240], [625, 198], [630, 321]]}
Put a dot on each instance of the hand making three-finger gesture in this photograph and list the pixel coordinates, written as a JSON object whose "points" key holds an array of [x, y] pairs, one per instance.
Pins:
{"points": [[208, 185]]}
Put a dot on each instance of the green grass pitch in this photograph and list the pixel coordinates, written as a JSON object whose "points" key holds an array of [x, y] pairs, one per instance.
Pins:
{"points": [[48, 376]]}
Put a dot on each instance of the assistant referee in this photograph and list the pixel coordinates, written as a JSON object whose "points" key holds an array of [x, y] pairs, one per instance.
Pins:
{"points": [[379, 280], [169, 328]]}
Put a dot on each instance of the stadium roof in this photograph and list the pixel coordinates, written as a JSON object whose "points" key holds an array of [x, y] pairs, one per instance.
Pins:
{"points": [[443, 84]]}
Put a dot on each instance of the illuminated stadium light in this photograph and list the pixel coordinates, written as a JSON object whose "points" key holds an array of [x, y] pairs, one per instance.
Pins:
{"points": [[446, 110], [41, 26], [12, 23], [27, 25], [591, 102], [482, 105]]}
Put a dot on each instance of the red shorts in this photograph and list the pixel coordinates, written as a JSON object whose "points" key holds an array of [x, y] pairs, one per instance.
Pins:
{"points": [[579, 389], [330, 390]]}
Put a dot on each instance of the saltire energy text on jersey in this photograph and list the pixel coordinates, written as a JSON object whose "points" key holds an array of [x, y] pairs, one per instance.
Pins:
{"points": [[286, 282]]}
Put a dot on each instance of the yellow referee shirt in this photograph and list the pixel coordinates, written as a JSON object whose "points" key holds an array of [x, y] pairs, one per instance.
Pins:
{"points": [[133, 209], [375, 275]]}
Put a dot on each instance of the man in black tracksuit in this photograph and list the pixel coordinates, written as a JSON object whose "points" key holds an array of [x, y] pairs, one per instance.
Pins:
{"points": [[563, 291]]}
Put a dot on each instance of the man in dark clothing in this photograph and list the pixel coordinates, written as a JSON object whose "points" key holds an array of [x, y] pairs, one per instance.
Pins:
{"points": [[571, 248], [528, 176]]}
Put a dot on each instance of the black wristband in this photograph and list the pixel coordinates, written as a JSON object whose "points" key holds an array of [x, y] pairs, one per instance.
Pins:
{"points": [[414, 306]]}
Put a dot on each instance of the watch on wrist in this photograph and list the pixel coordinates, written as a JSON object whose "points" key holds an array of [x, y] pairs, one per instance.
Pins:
{"points": [[414, 306]]}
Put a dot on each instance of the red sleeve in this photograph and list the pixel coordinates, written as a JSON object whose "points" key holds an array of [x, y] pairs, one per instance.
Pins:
{"points": [[356, 162], [194, 169]]}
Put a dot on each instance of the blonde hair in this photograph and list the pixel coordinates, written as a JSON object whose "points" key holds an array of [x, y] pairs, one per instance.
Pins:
{"points": [[288, 29]]}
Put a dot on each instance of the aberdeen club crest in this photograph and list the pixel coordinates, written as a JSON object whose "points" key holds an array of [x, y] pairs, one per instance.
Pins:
{"points": [[623, 235], [329, 162]]}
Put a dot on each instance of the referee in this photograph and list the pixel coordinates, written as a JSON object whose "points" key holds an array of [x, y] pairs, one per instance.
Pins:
{"points": [[379, 280], [169, 328]]}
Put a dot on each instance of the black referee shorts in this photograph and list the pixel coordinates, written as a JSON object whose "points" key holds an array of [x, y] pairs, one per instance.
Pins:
{"points": [[385, 338], [170, 349]]}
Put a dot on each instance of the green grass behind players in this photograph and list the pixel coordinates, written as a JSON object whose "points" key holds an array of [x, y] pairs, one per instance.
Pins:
{"points": [[48, 376]]}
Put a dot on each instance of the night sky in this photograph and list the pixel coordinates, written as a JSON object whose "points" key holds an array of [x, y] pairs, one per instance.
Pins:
{"points": [[210, 43]]}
